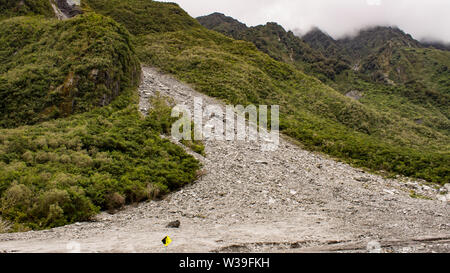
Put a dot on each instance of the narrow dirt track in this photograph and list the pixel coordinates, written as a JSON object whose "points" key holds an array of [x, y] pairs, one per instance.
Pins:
{"points": [[290, 200]]}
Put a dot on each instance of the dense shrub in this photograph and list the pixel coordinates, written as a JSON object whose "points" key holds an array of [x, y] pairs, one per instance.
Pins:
{"points": [[12, 8], [66, 170], [51, 68], [143, 16]]}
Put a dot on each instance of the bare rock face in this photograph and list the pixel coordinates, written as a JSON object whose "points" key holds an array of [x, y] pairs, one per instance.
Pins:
{"points": [[65, 9], [174, 224]]}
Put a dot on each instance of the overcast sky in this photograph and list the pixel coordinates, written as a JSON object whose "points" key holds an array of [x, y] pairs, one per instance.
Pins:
{"points": [[421, 18]]}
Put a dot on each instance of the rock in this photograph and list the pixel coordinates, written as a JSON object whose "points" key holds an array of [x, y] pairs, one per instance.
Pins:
{"points": [[174, 224], [418, 121], [362, 179], [389, 192], [444, 198], [262, 162], [447, 186], [412, 186], [65, 9]]}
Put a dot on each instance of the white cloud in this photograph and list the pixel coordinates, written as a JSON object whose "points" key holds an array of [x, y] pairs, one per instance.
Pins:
{"points": [[421, 18]]}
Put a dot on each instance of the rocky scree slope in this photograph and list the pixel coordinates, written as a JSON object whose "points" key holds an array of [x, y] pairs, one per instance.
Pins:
{"points": [[290, 200]]}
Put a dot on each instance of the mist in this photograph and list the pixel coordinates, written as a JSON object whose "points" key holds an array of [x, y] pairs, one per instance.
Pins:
{"points": [[423, 19]]}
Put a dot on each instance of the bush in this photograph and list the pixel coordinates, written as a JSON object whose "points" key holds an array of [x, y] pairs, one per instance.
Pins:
{"points": [[110, 157], [114, 201], [51, 68]]}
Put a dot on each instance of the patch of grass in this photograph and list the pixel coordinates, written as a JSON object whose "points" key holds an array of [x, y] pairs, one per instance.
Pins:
{"points": [[4, 226], [162, 110], [415, 195]]}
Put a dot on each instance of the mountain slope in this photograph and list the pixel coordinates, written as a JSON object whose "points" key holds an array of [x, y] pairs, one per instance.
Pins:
{"points": [[53, 68], [369, 40], [311, 112], [325, 44], [387, 61], [12, 8], [280, 44], [94, 151], [143, 16], [390, 72]]}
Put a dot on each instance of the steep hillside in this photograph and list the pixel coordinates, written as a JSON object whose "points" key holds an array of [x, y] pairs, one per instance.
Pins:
{"points": [[388, 62], [52, 68], [254, 201], [67, 170], [369, 40], [280, 44], [313, 113], [224, 24], [325, 44], [385, 63], [87, 147], [143, 16], [12, 8]]}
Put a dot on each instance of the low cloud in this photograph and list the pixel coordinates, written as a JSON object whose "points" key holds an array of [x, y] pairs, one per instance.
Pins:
{"points": [[424, 19]]}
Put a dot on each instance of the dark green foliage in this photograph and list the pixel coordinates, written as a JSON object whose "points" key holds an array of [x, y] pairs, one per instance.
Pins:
{"points": [[12, 8], [370, 40], [66, 170], [223, 24], [325, 44], [280, 44], [144, 16], [51, 68]]}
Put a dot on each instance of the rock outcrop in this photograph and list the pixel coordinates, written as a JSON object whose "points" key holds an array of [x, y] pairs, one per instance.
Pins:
{"points": [[65, 9]]}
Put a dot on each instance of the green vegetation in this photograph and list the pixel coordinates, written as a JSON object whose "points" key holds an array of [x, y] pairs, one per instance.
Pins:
{"points": [[414, 194], [85, 146], [278, 43], [12, 8], [51, 69], [66, 170], [143, 16]]}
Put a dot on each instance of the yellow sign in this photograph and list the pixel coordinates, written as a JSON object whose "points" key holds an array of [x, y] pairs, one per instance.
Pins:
{"points": [[166, 241]]}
